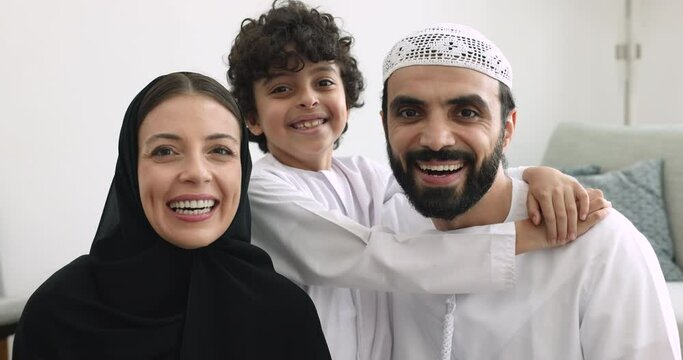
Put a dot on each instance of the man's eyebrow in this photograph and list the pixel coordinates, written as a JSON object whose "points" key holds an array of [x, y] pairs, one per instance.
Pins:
{"points": [[405, 100], [473, 100]]}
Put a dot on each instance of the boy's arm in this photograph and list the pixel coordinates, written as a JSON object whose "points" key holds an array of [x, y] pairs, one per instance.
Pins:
{"points": [[555, 199], [315, 246]]}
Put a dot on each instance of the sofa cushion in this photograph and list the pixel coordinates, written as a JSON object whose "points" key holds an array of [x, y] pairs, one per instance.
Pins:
{"points": [[582, 170], [614, 147], [636, 192]]}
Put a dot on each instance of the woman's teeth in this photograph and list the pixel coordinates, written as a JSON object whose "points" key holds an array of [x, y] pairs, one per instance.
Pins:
{"points": [[192, 207]]}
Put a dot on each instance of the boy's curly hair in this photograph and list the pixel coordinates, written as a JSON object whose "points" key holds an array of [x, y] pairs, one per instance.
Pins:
{"points": [[262, 46]]}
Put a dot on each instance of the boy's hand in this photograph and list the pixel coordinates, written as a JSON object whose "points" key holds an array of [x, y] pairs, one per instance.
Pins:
{"points": [[532, 237], [558, 200]]}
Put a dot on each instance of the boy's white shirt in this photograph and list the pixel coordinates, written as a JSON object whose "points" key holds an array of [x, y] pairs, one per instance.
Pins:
{"points": [[348, 270]]}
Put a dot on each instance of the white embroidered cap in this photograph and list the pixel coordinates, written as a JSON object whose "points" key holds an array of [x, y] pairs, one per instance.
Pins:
{"points": [[450, 45]]}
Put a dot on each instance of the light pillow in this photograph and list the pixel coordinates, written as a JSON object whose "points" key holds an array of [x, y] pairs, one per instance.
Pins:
{"points": [[636, 192]]}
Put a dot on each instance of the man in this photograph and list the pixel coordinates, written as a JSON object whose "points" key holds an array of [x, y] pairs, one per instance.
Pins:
{"points": [[449, 115]]}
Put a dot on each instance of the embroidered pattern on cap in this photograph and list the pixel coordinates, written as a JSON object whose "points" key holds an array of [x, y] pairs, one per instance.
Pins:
{"points": [[449, 45]]}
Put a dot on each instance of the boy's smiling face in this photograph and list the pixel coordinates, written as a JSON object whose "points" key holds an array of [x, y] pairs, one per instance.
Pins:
{"points": [[301, 114]]}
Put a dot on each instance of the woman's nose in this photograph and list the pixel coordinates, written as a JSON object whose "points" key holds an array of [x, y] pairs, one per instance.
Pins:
{"points": [[195, 170]]}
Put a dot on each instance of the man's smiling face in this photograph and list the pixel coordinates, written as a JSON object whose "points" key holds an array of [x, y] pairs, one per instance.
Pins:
{"points": [[445, 136]]}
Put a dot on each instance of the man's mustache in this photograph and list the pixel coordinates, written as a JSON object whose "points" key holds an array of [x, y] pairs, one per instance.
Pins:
{"points": [[440, 155]]}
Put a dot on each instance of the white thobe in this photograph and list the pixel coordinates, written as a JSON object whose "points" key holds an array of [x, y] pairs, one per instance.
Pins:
{"points": [[601, 297], [323, 230]]}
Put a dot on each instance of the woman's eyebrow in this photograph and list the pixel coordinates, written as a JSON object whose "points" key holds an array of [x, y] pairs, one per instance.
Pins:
{"points": [[219, 136], [166, 136]]}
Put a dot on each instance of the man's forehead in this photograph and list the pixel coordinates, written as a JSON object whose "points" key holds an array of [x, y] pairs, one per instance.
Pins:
{"points": [[437, 80]]}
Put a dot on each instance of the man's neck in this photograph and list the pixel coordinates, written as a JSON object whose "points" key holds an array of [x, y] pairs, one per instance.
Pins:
{"points": [[493, 208]]}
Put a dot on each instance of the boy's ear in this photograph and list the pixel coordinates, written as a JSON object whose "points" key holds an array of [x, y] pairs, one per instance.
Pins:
{"points": [[253, 125]]}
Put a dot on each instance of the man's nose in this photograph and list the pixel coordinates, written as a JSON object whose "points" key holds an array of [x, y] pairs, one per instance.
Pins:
{"points": [[437, 133]]}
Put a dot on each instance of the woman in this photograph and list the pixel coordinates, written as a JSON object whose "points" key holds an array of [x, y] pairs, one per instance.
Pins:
{"points": [[171, 273]]}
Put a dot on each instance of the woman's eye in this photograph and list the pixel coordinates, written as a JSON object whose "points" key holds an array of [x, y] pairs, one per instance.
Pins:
{"points": [[222, 151], [163, 151]]}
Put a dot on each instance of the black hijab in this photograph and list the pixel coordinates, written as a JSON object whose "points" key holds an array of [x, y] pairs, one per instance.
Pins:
{"points": [[136, 296]]}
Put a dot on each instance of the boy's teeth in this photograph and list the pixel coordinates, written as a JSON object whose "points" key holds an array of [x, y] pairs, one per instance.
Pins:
{"points": [[308, 124], [451, 167]]}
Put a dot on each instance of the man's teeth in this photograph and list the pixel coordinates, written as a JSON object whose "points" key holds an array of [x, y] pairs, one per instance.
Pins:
{"points": [[192, 207], [451, 167], [308, 124]]}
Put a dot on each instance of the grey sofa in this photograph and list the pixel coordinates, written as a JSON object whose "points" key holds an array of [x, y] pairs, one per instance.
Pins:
{"points": [[614, 147], [10, 310]]}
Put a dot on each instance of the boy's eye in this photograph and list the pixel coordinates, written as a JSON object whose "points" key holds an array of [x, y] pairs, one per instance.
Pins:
{"points": [[325, 82], [279, 89]]}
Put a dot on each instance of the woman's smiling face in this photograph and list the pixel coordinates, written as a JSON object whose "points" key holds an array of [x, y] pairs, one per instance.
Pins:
{"points": [[189, 169]]}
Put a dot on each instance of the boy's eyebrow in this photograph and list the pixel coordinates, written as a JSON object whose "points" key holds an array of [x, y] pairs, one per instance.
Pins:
{"points": [[318, 67], [272, 76], [325, 67]]}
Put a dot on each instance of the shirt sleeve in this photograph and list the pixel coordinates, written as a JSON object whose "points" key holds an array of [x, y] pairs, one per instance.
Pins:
{"points": [[316, 246], [628, 312], [516, 172]]}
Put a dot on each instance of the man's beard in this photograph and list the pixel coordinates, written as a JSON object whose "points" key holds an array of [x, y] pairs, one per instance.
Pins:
{"points": [[446, 202]]}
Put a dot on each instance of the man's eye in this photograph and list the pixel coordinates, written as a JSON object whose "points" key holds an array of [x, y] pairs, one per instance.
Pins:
{"points": [[408, 113], [325, 82], [468, 113]]}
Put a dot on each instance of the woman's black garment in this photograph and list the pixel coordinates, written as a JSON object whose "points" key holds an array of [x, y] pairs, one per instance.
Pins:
{"points": [[136, 296]]}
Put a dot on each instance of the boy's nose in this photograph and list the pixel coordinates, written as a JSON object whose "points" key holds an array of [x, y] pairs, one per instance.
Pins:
{"points": [[308, 99]]}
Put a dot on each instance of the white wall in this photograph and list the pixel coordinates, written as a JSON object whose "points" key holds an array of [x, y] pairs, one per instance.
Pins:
{"points": [[69, 68], [658, 74]]}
